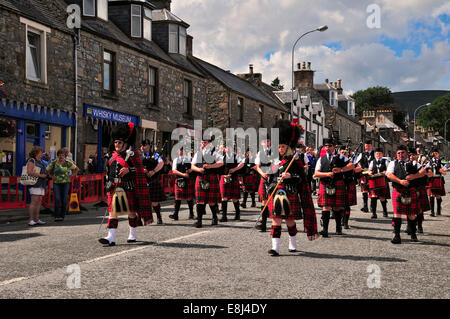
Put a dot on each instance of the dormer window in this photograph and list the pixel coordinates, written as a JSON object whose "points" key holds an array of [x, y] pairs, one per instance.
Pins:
{"points": [[147, 24], [96, 8], [351, 108], [177, 39], [333, 100], [136, 21]]}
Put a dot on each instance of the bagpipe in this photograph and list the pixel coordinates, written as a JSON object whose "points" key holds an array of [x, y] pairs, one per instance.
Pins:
{"points": [[119, 204]]}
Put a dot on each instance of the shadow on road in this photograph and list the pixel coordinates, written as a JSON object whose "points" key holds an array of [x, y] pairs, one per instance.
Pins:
{"points": [[16, 237], [348, 257]]}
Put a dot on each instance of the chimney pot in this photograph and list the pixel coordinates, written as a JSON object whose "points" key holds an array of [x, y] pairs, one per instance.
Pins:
{"points": [[309, 65], [304, 65], [251, 68], [339, 83], [326, 81]]}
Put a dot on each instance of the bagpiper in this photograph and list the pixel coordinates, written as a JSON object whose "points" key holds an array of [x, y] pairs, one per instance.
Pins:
{"points": [[153, 164], [290, 195], [330, 168], [250, 181], [207, 165], [262, 165], [229, 182], [405, 197], [363, 160], [126, 185], [350, 184], [184, 183], [378, 183], [436, 188]]}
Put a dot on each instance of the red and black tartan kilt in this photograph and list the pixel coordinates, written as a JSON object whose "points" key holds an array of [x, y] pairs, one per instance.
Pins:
{"points": [[250, 183], [364, 183], [295, 207], [230, 190], [339, 199], [262, 191], [423, 199], [401, 209], [156, 191], [210, 196], [384, 192], [437, 192], [351, 194], [186, 193], [132, 202]]}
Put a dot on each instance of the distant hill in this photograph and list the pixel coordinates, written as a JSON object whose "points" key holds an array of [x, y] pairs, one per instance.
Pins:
{"points": [[410, 100]]}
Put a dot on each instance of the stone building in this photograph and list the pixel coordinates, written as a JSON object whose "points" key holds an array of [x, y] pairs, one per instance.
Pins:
{"points": [[37, 68]]}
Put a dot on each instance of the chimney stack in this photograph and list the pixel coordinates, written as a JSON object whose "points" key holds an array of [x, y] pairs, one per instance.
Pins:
{"points": [[162, 4], [304, 77], [251, 68]]}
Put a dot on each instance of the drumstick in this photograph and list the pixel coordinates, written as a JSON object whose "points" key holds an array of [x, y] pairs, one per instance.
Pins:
{"points": [[275, 189]]}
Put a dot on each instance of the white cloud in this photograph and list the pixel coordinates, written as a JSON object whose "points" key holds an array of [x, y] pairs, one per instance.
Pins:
{"points": [[234, 33]]}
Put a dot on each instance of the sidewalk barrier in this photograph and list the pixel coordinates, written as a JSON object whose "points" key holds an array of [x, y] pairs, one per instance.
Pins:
{"points": [[89, 189], [13, 194]]}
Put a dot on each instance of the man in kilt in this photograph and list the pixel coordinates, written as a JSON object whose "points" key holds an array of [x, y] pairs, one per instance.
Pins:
{"points": [[405, 197], [207, 164], [184, 183], [289, 183], [350, 184], [229, 183], [363, 160], [153, 164], [124, 170], [437, 169], [330, 168], [250, 181], [377, 167], [262, 165]]}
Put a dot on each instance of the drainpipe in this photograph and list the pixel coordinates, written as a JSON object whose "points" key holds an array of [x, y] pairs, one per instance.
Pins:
{"points": [[76, 46]]}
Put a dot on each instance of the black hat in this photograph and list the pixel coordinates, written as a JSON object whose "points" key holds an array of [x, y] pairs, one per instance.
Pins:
{"points": [[368, 142], [146, 142], [125, 132], [402, 148], [379, 149], [328, 141], [289, 133], [435, 150]]}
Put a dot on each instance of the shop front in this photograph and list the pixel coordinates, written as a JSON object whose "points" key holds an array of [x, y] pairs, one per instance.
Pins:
{"points": [[23, 126], [98, 126]]}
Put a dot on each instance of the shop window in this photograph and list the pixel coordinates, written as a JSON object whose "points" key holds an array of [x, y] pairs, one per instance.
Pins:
{"points": [[7, 147]]}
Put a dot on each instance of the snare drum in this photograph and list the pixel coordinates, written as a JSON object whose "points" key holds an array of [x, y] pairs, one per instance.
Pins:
{"points": [[435, 183], [377, 182]]}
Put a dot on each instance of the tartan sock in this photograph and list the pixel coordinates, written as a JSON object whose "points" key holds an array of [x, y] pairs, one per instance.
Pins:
{"points": [[113, 223], [325, 219], [292, 230], [397, 225], [214, 210], [133, 222], [373, 205], [201, 210], [275, 232]]}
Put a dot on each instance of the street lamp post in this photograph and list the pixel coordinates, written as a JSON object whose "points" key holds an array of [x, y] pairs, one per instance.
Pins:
{"points": [[321, 29], [414, 128]]}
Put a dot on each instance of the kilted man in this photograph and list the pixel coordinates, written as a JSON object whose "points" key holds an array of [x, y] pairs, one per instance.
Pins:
{"points": [[153, 164], [363, 160], [350, 184], [184, 183], [377, 176], [208, 166], [330, 168], [405, 197], [292, 194], [125, 174], [262, 165], [250, 180], [436, 189], [229, 183]]}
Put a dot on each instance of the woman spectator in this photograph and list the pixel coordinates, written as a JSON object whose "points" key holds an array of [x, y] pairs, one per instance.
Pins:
{"points": [[38, 189], [59, 171]]}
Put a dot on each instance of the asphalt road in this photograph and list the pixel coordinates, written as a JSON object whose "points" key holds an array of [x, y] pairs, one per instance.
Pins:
{"points": [[178, 261]]}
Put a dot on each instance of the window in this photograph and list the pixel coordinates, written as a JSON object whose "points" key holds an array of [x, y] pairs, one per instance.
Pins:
{"points": [[333, 98], [173, 38], [102, 9], [182, 41], [152, 86], [261, 115], [89, 8], [187, 96], [36, 51], [136, 21], [108, 71], [240, 106], [147, 24]]}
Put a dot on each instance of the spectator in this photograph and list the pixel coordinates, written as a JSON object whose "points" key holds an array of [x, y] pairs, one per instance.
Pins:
{"points": [[312, 164], [59, 171], [92, 164], [38, 189]]}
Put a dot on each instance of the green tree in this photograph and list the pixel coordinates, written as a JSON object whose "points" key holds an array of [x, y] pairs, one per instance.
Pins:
{"points": [[372, 98], [276, 84], [436, 114]]}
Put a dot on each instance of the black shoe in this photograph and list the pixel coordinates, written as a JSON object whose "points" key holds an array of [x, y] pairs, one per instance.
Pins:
{"points": [[374, 216], [131, 241], [224, 219], [261, 227], [214, 222], [414, 238], [432, 214], [420, 229], [191, 216], [198, 224], [160, 222], [324, 234], [253, 204], [174, 217], [396, 240], [385, 214], [105, 241], [243, 205], [237, 217], [292, 250], [273, 253]]}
